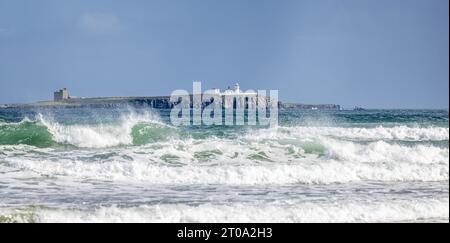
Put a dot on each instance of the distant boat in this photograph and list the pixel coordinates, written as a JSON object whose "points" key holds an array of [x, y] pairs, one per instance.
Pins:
{"points": [[358, 108]]}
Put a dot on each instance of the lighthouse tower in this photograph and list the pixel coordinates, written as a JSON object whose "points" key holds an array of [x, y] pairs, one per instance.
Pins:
{"points": [[237, 90]]}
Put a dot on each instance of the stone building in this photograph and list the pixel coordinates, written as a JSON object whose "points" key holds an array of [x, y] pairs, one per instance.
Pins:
{"points": [[62, 94]]}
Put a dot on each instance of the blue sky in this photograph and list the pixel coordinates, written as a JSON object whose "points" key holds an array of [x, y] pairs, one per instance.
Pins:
{"points": [[371, 53]]}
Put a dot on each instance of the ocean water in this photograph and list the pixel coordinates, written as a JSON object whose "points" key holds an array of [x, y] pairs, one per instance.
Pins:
{"points": [[132, 165]]}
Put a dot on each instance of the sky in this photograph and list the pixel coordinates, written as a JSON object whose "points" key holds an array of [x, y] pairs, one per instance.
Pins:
{"points": [[369, 53]]}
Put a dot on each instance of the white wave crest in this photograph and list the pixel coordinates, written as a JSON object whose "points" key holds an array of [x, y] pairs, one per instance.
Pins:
{"points": [[403, 133], [384, 211], [99, 135], [308, 171], [382, 152]]}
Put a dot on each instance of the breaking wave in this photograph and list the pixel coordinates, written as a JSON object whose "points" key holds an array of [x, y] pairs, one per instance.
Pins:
{"points": [[419, 210], [140, 129], [397, 133], [189, 162], [131, 129]]}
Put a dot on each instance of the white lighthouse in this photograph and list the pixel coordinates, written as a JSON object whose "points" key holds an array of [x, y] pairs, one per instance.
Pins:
{"points": [[237, 90]]}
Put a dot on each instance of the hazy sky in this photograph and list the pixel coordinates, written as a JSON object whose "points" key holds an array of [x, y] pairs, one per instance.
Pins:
{"points": [[370, 53]]}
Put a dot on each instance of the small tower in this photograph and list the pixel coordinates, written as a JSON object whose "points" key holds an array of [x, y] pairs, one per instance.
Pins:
{"points": [[236, 88], [62, 94]]}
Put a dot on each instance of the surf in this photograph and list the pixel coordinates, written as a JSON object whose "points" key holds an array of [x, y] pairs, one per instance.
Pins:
{"points": [[140, 129], [421, 209], [130, 128]]}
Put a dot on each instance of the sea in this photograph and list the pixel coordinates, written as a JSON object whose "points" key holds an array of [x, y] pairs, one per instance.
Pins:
{"points": [[125, 164]]}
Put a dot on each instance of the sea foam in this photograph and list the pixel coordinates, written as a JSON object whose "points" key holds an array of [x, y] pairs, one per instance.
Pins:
{"points": [[143, 167], [418, 210]]}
